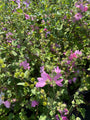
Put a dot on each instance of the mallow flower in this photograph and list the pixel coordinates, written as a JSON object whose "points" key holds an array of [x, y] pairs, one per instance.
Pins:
{"points": [[44, 77], [57, 70], [78, 16], [78, 52], [42, 80], [72, 55]]}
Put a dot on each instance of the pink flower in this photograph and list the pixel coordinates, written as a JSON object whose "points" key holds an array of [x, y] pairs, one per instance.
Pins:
{"points": [[34, 103], [42, 80], [9, 33], [74, 79], [81, 7], [77, 5], [25, 65], [57, 70], [18, 2], [70, 81], [41, 69], [45, 29], [18, 46], [7, 104], [26, 3], [65, 17], [59, 82], [64, 112], [44, 77], [73, 55], [32, 18], [27, 16], [88, 1], [78, 52], [43, 21], [85, 8], [78, 16], [14, 100], [64, 118], [9, 41], [57, 118]]}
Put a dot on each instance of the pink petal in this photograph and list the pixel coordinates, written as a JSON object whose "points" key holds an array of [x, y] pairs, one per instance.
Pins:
{"points": [[7, 104], [57, 77], [40, 84], [58, 82]]}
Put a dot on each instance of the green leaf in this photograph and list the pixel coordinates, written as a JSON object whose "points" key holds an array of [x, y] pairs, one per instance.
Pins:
{"points": [[82, 111], [14, 43], [88, 69], [79, 101], [20, 11], [78, 118], [14, 53], [59, 117], [43, 117], [22, 83], [72, 117], [26, 74], [10, 117], [2, 33]]}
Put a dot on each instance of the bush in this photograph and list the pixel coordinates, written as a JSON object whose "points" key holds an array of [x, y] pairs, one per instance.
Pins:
{"points": [[44, 59]]}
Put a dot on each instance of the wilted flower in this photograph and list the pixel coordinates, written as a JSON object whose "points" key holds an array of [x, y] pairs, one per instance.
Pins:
{"points": [[27, 16], [1, 100], [57, 118], [27, 2], [34, 103], [7, 104], [47, 33], [74, 79], [25, 65], [8, 34], [18, 46], [77, 5], [41, 69], [70, 81]]}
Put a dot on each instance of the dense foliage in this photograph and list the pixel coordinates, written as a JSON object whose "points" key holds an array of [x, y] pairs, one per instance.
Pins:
{"points": [[44, 59]]}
